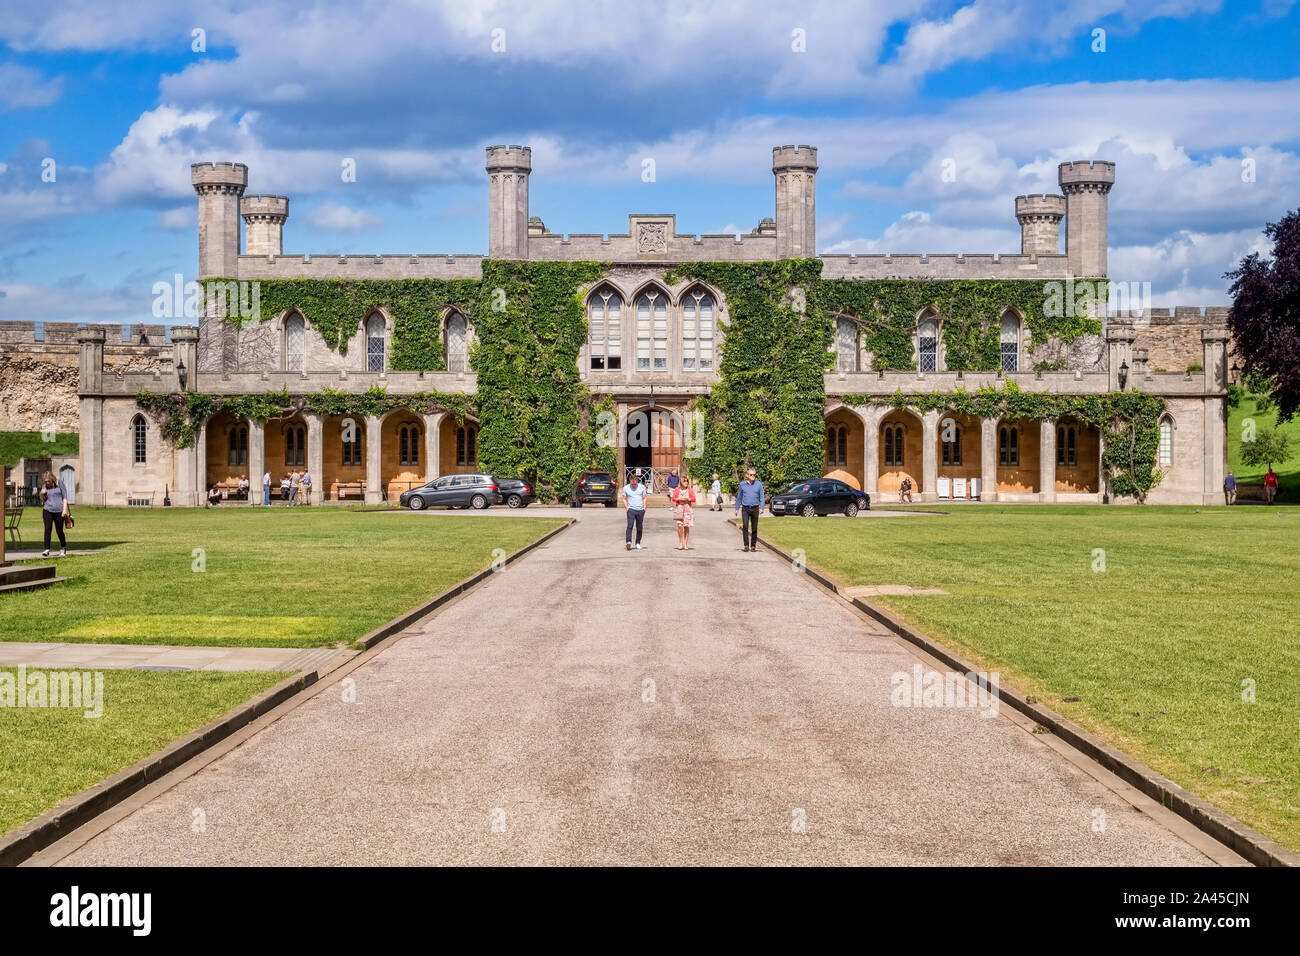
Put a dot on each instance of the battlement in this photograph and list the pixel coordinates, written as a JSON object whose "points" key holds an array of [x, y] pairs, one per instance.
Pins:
{"points": [[67, 333], [509, 157], [219, 174], [1092, 172], [1215, 316], [336, 266], [980, 266], [1040, 204], [794, 157], [264, 206]]}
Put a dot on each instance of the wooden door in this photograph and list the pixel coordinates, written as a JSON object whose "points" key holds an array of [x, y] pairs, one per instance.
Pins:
{"points": [[666, 443]]}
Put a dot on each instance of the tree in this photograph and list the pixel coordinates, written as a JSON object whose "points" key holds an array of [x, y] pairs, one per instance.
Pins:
{"points": [[1265, 316], [1269, 446]]}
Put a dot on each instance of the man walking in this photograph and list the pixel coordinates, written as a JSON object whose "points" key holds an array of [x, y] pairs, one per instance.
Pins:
{"points": [[266, 489], [633, 495], [674, 483], [1230, 489], [294, 479], [751, 500], [304, 498]]}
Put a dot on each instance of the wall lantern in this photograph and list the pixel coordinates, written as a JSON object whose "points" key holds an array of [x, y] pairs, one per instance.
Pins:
{"points": [[1123, 376], [181, 373]]}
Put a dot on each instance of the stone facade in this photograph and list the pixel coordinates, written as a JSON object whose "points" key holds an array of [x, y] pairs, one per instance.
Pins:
{"points": [[653, 347]]}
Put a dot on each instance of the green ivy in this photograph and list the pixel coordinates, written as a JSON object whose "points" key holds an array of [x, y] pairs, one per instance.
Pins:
{"points": [[1129, 423], [970, 312]]}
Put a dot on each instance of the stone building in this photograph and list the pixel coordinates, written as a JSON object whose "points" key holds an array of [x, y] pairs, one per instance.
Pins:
{"points": [[653, 346]]}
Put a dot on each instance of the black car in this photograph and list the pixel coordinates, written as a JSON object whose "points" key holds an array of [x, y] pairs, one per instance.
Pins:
{"points": [[454, 491], [516, 492], [594, 486], [820, 496]]}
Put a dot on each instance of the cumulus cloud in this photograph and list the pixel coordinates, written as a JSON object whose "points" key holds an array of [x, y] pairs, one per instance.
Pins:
{"points": [[22, 87], [333, 217]]}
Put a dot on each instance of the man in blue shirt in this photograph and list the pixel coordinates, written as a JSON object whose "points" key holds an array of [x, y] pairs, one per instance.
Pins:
{"points": [[633, 495], [750, 501]]}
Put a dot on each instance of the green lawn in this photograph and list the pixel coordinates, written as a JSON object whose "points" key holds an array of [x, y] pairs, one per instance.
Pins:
{"points": [[274, 577], [49, 754], [1288, 472], [16, 445], [1192, 603]]}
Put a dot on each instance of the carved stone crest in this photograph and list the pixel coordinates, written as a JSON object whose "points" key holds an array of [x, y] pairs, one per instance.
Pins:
{"points": [[652, 237]]}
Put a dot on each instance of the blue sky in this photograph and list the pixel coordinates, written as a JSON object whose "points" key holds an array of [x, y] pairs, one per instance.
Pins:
{"points": [[117, 97]]}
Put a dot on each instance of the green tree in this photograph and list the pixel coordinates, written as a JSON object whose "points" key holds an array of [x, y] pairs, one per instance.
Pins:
{"points": [[1269, 446]]}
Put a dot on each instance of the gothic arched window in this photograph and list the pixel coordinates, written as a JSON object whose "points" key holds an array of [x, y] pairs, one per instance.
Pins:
{"points": [[375, 347], [605, 330], [698, 324]]}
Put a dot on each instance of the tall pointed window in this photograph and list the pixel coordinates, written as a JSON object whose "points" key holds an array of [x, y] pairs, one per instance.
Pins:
{"points": [[1008, 446], [951, 445], [238, 452], [1166, 442], [295, 343], [456, 341], [652, 332], [846, 345], [467, 445], [295, 446], [375, 348], [893, 446], [1010, 343], [139, 430], [409, 445], [837, 446], [927, 345], [698, 324], [351, 443], [605, 331]]}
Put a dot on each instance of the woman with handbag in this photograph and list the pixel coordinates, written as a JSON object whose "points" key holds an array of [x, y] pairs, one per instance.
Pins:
{"points": [[54, 511], [683, 497]]}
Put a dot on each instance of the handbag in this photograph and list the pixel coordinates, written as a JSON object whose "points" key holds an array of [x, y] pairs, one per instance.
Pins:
{"points": [[67, 521]]}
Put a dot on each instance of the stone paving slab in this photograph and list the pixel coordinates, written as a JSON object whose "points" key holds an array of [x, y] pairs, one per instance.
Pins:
{"points": [[127, 656], [593, 705]]}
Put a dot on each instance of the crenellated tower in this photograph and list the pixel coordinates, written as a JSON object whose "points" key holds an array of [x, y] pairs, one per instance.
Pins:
{"points": [[219, 186], [1086, 186], [795, 168], [264, 218], [508, 168], [1040, 224]]}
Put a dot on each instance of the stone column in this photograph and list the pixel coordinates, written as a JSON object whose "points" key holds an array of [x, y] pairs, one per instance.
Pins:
{"points": [[1101, 467], [432, 445], [256, 460], [871, 451], [90, 469], [374, 469], [930, 457], [1047, 462], [316, 456], [989, 459]]}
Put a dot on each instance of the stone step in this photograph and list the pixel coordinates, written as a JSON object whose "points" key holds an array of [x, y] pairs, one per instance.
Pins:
{"points": [[24, 573]]}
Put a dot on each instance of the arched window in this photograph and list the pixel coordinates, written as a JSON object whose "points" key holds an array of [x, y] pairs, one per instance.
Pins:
{"points": [[846, 345], [837, 446], [1010, 343], [375, 343], [605, 330], [351, 443], [139, 430], [1071, 458], [295, 343], [467, 445], [951, 444], [1009, 447], [652, 332], [238, 452], [456, 343], [409, 445], [927, 345], [894, 446], [1166, 442], [698, 324], [295, 446]]}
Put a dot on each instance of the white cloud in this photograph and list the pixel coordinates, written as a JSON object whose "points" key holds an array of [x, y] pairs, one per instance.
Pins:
{"points": [[180, 219], [22, 87], [334, 217]]}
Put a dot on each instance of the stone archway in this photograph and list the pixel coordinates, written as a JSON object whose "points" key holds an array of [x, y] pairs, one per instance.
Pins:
{"points": [[842, 451], [901, 451], [1017, 442]]}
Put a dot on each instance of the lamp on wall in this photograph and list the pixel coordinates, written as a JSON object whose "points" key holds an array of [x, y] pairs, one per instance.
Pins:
{"points": [[1123, 376], [180, 373], [1236, 371]]}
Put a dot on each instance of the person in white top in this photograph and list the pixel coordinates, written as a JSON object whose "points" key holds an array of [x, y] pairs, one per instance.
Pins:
{"points": [[266, 489]]}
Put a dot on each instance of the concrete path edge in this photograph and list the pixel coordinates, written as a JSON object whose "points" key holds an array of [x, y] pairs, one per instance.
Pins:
{"points": [[76, 811], [1231, 832]]}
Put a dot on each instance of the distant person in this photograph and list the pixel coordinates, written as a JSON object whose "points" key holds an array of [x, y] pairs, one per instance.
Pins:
{"points": [[144, 335], [683, 499], [750, 502], [214, 496], [1270, 485], [1230, 489], [243, 487], [294, 480], [284, 487], [305, 499], [905, 491], [673, 484], [633, 495], [266, 489], [54, 512], [715, 494]]}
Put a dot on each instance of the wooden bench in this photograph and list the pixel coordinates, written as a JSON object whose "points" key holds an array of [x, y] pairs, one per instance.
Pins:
{"points": [[13, 516]]}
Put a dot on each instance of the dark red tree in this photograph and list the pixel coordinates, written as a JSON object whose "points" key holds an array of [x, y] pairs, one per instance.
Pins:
{"points": [[1265, 316]]}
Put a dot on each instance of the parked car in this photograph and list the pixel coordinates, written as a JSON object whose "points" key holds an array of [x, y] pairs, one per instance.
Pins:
{"points": [[454, 491], [516, 492], [820, 496], [594, 486]]}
